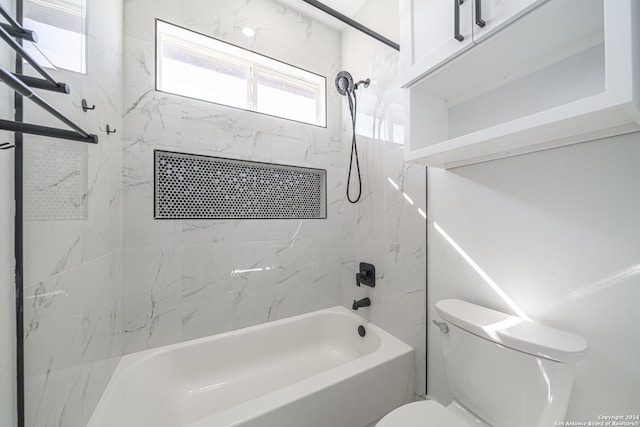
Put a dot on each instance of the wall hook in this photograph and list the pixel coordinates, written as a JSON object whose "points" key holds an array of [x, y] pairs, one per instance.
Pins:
{"points": [[85, 106], [6, 146], [109, 131]]}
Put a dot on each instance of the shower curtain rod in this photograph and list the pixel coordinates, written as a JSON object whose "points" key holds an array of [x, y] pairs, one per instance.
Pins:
{"points": [[352, 23]]}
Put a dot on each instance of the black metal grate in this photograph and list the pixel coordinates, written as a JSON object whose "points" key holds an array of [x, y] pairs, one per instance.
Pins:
{"points": [[191, 186]]}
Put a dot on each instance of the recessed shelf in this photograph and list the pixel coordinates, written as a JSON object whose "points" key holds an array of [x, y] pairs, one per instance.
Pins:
{"points": [[553, 77]]}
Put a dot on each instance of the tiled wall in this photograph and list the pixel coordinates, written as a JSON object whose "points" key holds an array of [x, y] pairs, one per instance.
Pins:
{"points": [[73, 238], [7, 294], [191, 278], [387, 227]]}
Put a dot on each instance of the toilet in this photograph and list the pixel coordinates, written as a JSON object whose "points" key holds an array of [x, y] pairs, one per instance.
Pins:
{"points": [[502, 371]]}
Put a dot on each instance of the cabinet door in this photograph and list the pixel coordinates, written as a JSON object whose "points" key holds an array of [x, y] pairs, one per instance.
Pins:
{"points": [[491, 15], [428, 36]]}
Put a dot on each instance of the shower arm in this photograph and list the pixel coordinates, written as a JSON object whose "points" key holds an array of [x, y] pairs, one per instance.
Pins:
{"points": [[362, 82]]}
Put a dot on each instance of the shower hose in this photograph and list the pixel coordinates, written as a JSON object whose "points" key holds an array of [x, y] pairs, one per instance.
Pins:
{"points": [[353, 107]]}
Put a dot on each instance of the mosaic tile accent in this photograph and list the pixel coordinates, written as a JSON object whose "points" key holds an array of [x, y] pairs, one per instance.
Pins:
{"points": [[190, 186], [55, 181]]}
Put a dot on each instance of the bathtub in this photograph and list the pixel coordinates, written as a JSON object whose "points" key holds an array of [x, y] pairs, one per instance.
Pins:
{"points": [[312, 370]]}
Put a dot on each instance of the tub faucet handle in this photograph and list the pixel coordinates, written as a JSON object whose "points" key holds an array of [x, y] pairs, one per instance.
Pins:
{"points": [[444, 328], [367, 275]]}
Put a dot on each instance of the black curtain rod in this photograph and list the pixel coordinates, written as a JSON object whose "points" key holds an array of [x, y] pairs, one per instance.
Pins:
{"points": [[46, 131], [37, 83], [352, 23], [15, 24], [20, 51], [19, 87], [21, 34]]}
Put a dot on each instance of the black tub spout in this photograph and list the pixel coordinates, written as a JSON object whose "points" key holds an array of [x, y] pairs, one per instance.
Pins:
{"points": [[364, 302]]}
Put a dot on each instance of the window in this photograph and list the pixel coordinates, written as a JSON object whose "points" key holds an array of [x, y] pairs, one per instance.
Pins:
{"points": [[201, 67], [60, 25]]}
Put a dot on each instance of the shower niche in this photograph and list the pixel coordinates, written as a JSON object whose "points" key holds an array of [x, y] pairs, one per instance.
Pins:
{"points": [[549, 79]]}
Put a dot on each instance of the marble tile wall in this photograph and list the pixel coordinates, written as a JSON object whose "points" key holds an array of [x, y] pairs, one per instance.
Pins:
{"points": [[73, 256], [7, 293], [387, 227], [7, 266], [184, 279]]}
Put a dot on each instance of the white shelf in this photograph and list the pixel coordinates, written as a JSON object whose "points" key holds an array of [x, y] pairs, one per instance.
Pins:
{"points": [[566, 72]]}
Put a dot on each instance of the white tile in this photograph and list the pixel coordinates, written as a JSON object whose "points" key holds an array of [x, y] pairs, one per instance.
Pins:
{"points": [[254, 266], [152, 286], [207, 231], [54, 398], [140, 15], [207, 271], [294, 263]]}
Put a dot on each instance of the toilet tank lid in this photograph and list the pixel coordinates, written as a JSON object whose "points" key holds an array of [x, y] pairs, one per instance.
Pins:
{"points": [[513, 332]]}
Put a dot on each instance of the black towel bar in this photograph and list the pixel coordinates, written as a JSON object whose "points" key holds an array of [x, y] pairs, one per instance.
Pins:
{"points": [[18, 86]]}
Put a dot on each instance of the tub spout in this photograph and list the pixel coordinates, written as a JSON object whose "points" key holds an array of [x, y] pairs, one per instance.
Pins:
{"points": [[364, 302]]}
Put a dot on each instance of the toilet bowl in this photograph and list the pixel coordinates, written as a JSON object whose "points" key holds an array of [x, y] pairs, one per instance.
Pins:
{"points": [[524, 369], [426, 413]]}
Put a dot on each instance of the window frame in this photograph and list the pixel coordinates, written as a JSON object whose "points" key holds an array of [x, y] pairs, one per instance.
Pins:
{"points": [[40, 54], [229, 52]]}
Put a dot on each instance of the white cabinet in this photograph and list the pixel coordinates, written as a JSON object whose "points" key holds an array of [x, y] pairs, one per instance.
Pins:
{"points": [[567, 71], [491, 15], [433, 32], [427, 34]]}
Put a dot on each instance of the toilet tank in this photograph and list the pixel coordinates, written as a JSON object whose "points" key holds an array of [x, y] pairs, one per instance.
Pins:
{"points": [[508, 371]]}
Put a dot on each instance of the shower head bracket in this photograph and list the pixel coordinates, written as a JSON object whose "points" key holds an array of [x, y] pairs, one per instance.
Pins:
{"points": [[362, 82]]}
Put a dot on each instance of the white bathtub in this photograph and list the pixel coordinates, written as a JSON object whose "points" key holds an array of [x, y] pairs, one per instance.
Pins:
{"points": [[312, 370]]}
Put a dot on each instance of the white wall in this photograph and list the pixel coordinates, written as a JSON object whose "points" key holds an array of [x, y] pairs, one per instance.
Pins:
{"points": [[557, 231], [387, 226]]}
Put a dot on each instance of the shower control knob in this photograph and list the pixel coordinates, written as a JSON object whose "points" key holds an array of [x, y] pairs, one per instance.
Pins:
{"points": [[367, 275]]}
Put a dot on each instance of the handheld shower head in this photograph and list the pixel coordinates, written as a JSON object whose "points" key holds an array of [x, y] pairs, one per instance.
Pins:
{"points": [[346, 87], [344, 83]]}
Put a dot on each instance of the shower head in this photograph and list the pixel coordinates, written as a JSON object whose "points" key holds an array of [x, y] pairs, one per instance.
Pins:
{"points": [[344, 83]]}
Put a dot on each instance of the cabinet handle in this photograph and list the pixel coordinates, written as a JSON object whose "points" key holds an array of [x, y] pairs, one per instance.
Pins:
{"points": [[456, 20], [479, 21]]}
